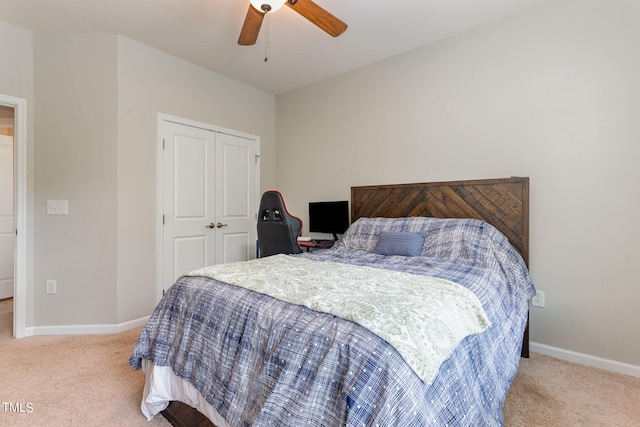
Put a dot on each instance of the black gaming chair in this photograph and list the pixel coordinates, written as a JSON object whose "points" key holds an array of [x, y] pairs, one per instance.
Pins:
{"points": [[278, 230]]}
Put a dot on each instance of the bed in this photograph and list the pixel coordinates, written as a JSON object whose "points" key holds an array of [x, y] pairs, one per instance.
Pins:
{"points": [[243, 351]]}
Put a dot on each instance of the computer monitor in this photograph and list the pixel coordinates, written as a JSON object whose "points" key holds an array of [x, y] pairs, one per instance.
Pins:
{"points": [[329, 217]]}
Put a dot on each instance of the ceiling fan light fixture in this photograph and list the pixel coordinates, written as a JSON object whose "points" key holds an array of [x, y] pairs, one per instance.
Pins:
{"points": [[267, 6], [258, 9]]}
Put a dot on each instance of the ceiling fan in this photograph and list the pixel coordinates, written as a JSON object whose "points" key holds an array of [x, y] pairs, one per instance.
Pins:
{"points": [[307, 8]]}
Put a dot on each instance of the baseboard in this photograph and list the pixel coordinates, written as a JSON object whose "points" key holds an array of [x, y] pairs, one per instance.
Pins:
{"points": [[85, 329], [559, 353], [586, 359]]}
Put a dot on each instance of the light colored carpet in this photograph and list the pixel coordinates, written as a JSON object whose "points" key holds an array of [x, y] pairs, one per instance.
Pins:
{"points": [[551, 392], [74, 380], [86, 380]]}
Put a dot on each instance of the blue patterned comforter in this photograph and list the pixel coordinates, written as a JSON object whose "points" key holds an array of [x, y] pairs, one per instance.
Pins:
{"points": [[260, 361]]}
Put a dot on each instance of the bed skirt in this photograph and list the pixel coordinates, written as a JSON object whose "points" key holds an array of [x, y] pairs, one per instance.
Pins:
{"points": [[162, 386]]}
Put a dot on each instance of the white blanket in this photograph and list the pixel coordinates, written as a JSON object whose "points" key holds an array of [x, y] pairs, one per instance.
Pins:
{"points": [[424, 318]]}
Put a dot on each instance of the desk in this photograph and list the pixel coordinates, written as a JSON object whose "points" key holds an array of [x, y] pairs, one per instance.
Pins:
{"points": [[316, 244]]}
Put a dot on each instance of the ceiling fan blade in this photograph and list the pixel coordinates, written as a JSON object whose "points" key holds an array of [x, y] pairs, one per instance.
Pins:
{"points": [[320, 17], [251, 27]]}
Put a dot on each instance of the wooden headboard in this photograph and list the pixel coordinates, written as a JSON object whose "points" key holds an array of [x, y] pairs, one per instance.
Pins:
{"points": [[503, 203]]}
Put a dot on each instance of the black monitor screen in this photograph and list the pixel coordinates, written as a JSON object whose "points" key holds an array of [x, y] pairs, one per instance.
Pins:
{"points": [[329, 217]]}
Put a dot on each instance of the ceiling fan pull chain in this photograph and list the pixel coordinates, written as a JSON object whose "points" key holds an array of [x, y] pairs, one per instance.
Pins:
{"points": [[266, 40]]}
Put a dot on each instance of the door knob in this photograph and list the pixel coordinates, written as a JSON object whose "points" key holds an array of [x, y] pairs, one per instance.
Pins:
{"points": [[211, 225], [220, 225]]}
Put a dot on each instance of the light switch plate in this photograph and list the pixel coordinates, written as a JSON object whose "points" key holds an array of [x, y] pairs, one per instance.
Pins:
{"points": [[50, 287], [57, 207]]}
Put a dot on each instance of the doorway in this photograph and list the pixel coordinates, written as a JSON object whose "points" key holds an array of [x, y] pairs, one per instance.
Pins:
{"points": [[6, 204], [15, 218]]}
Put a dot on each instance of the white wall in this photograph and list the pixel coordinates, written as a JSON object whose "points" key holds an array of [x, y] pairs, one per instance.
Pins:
{"points": [[552, 94]]}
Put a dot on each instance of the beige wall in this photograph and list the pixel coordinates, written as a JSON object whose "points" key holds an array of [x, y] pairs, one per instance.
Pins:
{"points": [[16, 80], [152, 82], [552, 94], [16, 51], [75, 160], [93, 102]]}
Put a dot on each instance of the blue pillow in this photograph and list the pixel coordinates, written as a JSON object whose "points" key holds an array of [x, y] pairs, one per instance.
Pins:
{"points": [[400, 243]]}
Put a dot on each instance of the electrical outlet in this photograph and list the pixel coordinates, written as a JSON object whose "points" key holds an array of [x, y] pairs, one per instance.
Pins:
{"points": [[538, 299], [50, 287]]}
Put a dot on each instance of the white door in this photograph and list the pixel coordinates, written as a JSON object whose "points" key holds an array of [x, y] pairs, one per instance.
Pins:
{"points": [[236, 198], [6, 217], [209, 198]]}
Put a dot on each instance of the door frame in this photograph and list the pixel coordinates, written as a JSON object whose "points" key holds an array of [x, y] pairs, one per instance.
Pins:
{"points": [[162, 117], [20, 243]]}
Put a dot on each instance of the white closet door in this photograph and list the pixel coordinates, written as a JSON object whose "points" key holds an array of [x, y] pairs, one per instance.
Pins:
{"points": [[236, 207], [209, 187]]}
